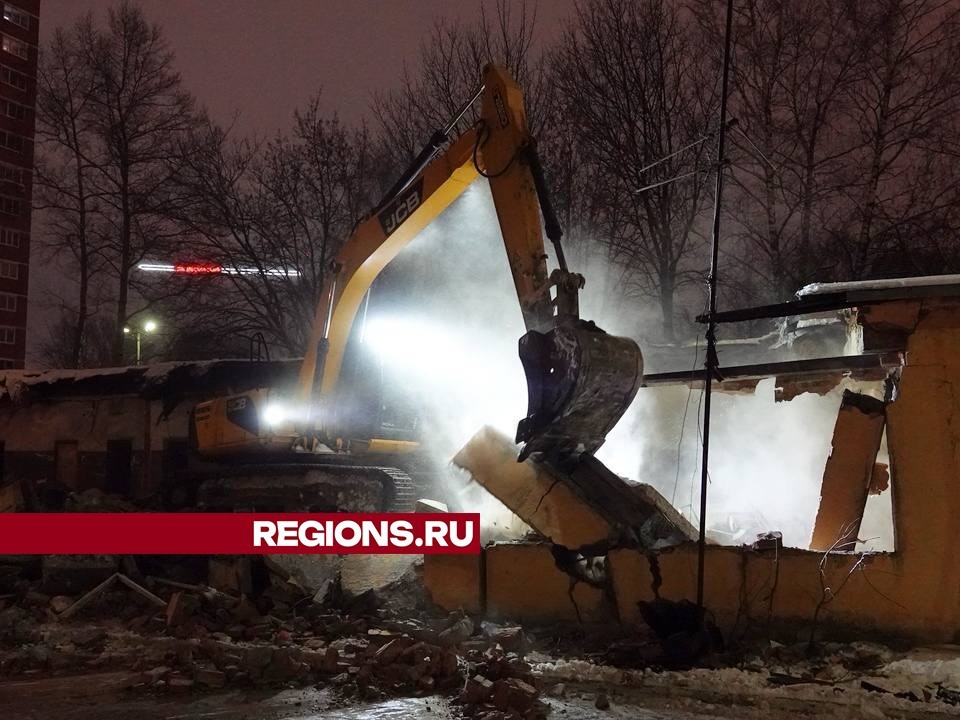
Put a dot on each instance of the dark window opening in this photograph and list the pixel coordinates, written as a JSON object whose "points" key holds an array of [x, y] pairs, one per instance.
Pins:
{"points": [[175, 457], [67, 464], [119, 467]]}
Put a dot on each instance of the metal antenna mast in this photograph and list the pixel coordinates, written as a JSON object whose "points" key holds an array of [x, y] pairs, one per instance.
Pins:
{"points": [[712, 361]]}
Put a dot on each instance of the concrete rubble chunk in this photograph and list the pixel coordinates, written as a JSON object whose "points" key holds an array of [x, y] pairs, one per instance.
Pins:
{"points": [[425, 505], [476, 690], [230, 575], [181, 608], [879, 478], [59, 603], [389, 653], [848, 475], [514, 694], [210, 677], [458, 632], [588, 507]]}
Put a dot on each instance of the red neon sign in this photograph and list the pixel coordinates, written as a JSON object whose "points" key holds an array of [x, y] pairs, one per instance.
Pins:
{"points": [[197, 268]]}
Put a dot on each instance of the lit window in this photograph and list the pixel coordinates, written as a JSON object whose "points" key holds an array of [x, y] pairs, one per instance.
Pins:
{"points": [[14, 78], [8, 302], [8, 335], [16, 16], [9, 270], [16, 47], [11, 238]]}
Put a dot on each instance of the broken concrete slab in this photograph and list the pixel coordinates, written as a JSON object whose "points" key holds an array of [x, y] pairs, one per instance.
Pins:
{"points": [[424, 505], [849, 471], [532, 492], [586, 507]]}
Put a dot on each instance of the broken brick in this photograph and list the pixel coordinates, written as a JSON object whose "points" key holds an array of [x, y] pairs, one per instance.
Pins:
{"points": [[230, 574], [458, 632], [476, 690], [514, 694], [210, 677], [180, 608], [392, 650], [177, 683]]}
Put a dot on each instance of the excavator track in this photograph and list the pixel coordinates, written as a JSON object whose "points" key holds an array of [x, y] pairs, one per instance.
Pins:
{"points": [[302, 486]]}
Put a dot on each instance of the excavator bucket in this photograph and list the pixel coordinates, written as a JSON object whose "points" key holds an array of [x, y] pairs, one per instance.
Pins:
{"points": [[580, 382]]}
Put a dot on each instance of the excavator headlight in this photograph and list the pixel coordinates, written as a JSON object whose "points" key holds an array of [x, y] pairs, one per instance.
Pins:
{"points": [[275, 414]]}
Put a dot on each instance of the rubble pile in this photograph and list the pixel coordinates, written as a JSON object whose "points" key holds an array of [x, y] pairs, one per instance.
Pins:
{"points": [[500, 684], [260, 628], [176, 636]]}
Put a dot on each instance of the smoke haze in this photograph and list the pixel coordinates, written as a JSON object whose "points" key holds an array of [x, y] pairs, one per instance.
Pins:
{"points": [[445, 322]]}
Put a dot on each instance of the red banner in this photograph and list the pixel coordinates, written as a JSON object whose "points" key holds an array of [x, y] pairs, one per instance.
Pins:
{"points": [[238, 533]]}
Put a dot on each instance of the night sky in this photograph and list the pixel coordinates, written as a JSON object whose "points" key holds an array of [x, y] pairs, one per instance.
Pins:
{"points": [[266, 57]]}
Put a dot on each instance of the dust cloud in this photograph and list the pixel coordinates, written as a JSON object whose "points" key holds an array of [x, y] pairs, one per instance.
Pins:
{"points": [[445, 322]]}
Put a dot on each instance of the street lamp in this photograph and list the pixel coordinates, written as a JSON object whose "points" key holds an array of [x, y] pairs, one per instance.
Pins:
{"points": [[149, 326]]}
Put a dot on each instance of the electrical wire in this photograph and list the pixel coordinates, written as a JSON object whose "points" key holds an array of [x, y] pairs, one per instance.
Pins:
{"points": [[683, 421]]}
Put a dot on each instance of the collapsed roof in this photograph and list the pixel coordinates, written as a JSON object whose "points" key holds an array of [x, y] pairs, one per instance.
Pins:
{"points": [[172, 382]]}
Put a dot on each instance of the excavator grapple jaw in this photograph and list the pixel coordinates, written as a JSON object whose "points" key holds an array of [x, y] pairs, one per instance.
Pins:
{"points": [[580, 382]]}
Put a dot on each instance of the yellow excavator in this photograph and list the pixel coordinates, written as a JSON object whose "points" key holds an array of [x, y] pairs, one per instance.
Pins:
{"points": [[267, 451]]}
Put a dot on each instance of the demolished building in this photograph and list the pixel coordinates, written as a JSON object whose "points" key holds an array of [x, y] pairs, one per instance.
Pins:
{"points": [[910, 340]]}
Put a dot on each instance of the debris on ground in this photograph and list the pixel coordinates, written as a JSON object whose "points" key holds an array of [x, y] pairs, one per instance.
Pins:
{"points": [[184, 627]]}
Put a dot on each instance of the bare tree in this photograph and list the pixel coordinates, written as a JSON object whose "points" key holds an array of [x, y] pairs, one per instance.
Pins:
{"points": [[274, 216], [794, 64], [903, 115], [447, 73], [843, 167], [139, 112], [64, 194], [633, 86], [111, 112]]}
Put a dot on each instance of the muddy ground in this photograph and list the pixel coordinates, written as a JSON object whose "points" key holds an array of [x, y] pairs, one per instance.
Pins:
{"points": [[141, 644]]}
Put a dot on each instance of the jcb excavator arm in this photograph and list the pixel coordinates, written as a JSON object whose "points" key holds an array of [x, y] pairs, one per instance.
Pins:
{"points": [[494, 148], [580, 379]]}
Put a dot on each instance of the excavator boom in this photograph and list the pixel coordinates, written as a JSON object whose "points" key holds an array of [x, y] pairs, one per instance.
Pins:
{"points": [[580, 379]]}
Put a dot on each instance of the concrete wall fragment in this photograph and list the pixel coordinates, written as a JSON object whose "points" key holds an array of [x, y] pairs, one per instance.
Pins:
{"points": [[455, 581], [524, 583], [848, 472]]}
